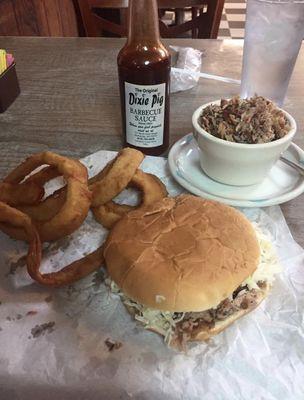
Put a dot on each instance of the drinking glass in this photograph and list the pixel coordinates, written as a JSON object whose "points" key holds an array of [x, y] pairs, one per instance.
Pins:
{"points": [[273, 36]]}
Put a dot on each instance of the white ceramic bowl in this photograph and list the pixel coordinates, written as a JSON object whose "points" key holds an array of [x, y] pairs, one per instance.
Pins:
{"points": [[238, 164]]}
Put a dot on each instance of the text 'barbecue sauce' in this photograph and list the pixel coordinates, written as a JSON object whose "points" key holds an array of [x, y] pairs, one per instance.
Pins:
{"points": [[144, 77]]}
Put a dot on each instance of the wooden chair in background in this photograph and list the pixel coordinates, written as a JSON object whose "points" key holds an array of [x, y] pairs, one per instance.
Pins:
{"points": [[38, 18], [206, 16]]}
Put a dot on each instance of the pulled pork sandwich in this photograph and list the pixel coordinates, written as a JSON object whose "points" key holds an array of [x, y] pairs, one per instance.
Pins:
{"points": [[187, 267]]}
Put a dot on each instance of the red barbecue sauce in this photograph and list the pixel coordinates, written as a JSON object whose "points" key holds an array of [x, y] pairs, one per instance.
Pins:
{"points": [[144, 78]]}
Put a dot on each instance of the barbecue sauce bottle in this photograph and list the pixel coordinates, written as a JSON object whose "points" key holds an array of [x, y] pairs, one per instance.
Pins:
{"points": [[144, 78]]}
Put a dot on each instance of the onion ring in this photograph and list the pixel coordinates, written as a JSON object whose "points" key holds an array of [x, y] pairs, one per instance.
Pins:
{"points": [[101, 174], [152, 190], [116, 176], [46, 209], [69, 274], [108, 214], [77, 202], [18, 194], [44, 175], [22, 221], [50, 206], [40, 213]]}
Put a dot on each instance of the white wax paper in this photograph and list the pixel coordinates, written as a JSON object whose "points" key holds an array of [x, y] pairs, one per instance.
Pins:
{"points": [[261, 356]]}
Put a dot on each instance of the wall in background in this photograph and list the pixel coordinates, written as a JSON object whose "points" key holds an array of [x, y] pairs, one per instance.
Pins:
{"points": [[38, 18]]}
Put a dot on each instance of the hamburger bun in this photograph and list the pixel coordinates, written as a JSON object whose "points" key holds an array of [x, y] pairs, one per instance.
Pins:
{"points": [[182, 254]]}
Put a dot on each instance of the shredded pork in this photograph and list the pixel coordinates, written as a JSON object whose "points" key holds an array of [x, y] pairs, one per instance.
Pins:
{"points": [[193, 322], [254, 120]]}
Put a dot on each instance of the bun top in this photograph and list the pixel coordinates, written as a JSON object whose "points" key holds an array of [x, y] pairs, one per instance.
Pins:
{"points": [[181, 254]]}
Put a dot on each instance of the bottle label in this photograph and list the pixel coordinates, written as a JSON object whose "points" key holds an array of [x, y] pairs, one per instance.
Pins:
{"points": [[145, 114]]}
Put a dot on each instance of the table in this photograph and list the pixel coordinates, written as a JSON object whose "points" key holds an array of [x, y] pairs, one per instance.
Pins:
{"points": [[70, 102]]}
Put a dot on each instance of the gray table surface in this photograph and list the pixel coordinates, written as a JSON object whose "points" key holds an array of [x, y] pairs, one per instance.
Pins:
{"points": [[69, 100]]}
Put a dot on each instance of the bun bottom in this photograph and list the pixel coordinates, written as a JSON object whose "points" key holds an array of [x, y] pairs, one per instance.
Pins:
{"points": [[222, 325], [206, 333]]}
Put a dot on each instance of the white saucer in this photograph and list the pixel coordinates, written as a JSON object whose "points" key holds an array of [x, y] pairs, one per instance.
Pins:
{"points": [[282, 184]]}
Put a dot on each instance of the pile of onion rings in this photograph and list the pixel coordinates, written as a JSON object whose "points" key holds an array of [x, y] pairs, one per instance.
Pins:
{"points": [[77, 196], [35, 219]]}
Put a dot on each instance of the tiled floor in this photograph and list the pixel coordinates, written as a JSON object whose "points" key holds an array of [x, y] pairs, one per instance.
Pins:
{"points": [[233, 20], [232, 23]]}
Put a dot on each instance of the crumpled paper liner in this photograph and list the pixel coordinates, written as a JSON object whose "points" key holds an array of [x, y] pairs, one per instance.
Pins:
{"points": [[259, 357]]}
